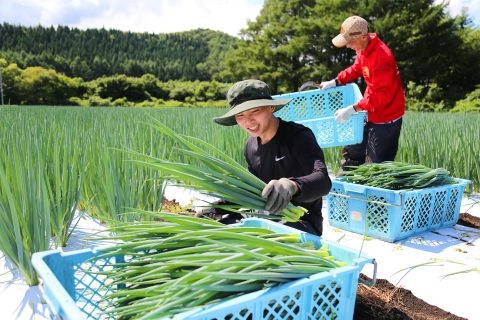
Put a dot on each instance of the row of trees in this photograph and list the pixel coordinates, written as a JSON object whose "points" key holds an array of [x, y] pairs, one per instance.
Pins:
{"points": [[35, 85], [39, 86], [93, 53], [288, 44]]}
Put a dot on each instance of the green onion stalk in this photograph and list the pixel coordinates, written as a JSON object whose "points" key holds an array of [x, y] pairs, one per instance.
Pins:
{"points": [[212, 172], [181, 263]]}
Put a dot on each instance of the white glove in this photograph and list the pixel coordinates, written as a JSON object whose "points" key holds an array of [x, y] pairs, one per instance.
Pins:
{"points": [[328, 84], [279, 193], [344, 114]]}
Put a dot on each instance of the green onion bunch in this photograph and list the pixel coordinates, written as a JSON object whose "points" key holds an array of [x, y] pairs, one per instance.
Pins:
{"points": [[212, 172], [397, 175], [184, 262]]}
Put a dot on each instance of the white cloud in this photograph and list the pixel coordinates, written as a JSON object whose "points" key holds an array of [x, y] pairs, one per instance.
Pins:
{"points": [[156, 16], [470, 7]]}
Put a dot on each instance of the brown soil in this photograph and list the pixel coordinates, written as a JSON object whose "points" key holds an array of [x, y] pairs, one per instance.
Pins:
{"points": [[384, 301], [468, 220]]}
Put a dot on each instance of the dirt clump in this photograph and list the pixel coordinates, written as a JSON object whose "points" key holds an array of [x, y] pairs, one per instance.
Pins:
{"points": [[469, 220], [384, 301]]}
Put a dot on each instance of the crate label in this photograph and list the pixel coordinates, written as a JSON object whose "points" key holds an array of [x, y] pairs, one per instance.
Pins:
{"points": [[355, 215]]}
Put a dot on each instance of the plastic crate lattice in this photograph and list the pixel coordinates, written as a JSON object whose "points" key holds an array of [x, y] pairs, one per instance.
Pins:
{"points": [[377, 218], [74, 286], [393, 215], [315, 109], [328, 299], [91, 286]]}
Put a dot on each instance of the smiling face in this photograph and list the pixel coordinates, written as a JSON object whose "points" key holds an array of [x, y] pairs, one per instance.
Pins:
{"points": [[259, 122]]}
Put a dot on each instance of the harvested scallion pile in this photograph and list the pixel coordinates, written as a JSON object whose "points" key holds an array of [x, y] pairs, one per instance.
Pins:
{"points": [[184, 262], [212, 172], [397, 175]]}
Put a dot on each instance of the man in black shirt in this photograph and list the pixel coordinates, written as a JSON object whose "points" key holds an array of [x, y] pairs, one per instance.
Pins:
{"points": [[285, 155]]}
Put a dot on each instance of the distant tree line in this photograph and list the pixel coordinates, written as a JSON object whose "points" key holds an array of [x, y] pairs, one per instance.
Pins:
{"points": [[287, 44], [290, 42], [93, 53]]}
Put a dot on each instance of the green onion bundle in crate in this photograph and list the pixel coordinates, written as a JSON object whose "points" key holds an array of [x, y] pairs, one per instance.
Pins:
{"points": [[393, 200], [191, 268]]}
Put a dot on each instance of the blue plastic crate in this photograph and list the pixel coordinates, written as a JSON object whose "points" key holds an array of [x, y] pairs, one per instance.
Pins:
{"points": [[393, 215], [73, 293], [315, 109]]}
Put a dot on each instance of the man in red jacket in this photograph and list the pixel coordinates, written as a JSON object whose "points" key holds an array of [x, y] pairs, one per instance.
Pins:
{"points": [[384, 99]]}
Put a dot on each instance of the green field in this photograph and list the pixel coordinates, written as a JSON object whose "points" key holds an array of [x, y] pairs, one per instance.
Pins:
{"points": [[57, 159], [447, 140]]}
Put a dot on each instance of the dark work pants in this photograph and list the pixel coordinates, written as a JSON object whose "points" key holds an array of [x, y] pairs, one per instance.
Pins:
{"points": [[380, 143]]}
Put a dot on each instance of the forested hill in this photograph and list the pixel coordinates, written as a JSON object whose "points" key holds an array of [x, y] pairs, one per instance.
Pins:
{"points": [[92, 53]]}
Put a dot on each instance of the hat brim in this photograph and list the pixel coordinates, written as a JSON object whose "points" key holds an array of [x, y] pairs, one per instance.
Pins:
{"points": [[339, 41], [228, 119]]}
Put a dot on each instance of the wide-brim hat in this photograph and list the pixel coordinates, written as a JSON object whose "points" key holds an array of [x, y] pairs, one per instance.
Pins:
{"points": [[245, 95]]}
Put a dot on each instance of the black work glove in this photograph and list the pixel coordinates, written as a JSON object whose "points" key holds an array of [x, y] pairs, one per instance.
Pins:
{"points": [[279, 193]]}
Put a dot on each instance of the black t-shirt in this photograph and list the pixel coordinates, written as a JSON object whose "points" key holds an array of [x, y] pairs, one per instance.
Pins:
{"points": [[293, 153]]}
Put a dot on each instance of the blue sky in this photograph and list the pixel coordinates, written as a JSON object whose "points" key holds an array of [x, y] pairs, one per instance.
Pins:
{"points": [[155, 16]]}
